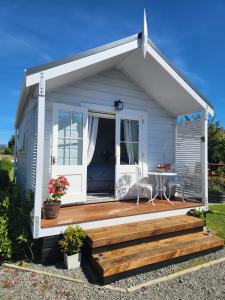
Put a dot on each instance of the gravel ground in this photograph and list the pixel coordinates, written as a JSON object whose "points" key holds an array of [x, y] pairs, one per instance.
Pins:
{"points": [[135, 279], [208, 283]]}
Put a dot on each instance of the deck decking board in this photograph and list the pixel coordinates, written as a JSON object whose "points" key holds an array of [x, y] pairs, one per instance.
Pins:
{"points": [[78, 214], [154, 252], [137, 230]]}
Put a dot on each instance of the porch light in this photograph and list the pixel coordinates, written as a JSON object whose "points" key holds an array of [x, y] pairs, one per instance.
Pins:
{"points": [[118, 105]]}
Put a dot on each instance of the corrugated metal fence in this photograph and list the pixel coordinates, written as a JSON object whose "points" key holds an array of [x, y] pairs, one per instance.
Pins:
{"points": [[189, 149]]}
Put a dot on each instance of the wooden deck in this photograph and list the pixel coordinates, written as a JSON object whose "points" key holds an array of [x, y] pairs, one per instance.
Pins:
{"points": [[82, 213]]}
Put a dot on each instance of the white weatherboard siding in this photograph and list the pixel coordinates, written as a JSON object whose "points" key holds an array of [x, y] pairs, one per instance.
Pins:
{"points": [[23, 151], [103, 89]]}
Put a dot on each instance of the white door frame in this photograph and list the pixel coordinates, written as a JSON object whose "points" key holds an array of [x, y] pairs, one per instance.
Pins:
{"points": [[71, 169]]}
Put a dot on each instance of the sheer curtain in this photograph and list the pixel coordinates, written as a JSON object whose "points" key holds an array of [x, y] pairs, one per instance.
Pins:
{"points": [[131, 140], [92, 136]]}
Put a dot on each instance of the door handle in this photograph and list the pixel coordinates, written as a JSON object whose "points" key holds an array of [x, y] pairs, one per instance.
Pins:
{"points": [[53, 160]]}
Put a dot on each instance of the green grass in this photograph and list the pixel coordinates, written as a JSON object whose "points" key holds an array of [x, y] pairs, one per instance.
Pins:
{"points": [[215, 221]]}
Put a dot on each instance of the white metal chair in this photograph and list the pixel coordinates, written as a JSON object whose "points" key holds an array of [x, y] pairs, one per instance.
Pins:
{"points": [[177, 181], [143, 184]]}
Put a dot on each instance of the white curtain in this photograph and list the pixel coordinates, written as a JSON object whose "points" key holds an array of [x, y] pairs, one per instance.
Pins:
{"points": [[92, 136], [131, 136]]}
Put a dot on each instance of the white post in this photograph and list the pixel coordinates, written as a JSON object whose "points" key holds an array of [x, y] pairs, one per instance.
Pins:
{"points": [[40, 157], [205, 158]]}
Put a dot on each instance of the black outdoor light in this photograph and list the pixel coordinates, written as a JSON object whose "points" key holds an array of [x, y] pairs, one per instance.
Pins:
{"points": [[118, 105]]}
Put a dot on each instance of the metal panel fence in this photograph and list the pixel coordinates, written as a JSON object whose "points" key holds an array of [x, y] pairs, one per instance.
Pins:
{"points": [[189, 149]]}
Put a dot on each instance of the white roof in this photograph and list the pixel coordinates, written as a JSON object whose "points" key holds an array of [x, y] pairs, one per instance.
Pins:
{"points": [[152, 72]]}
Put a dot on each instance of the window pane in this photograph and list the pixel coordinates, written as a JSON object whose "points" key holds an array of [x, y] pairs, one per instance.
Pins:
{"points": [[124, 160], [129, 130], [64, 124], [122, 138], [129, 153], [76, 152], [134, 130], [63, 151], [70, 138], [76, 125]]}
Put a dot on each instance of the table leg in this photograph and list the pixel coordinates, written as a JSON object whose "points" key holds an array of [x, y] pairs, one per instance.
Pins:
{"points": [[157, 188], [164, 190]]}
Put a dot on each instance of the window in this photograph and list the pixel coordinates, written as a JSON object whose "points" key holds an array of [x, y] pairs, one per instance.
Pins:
{"points": [[70, 138], [129, 142]]}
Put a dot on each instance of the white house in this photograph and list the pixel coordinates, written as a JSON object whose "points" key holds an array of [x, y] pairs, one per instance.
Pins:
{"points": [[67, 123]]}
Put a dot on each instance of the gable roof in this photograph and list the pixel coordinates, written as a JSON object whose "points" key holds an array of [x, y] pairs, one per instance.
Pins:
{"points": [[159, 78]]}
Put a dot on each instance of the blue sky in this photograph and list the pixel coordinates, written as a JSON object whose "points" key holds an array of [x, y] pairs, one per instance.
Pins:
{"points": [[190, 33]]}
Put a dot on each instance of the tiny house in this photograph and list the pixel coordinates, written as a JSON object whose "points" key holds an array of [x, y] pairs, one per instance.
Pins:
{"points": [[94, 117]]}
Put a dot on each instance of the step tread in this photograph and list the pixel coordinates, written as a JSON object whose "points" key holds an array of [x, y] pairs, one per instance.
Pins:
{"points": [[125, 232], [129, 258]]}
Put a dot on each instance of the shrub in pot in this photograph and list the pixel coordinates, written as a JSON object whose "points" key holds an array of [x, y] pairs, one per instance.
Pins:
{"points": [[56, 189], [71, 244], [217, 189]]}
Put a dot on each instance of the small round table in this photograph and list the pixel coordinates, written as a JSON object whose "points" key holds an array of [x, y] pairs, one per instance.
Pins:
{"points": [[161, 180]]}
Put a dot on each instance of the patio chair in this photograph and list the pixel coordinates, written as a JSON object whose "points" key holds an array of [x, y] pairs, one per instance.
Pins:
{"points": [[143, 184], [177, 181]]}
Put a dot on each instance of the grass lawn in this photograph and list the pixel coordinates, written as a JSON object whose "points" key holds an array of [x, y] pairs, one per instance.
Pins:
{"points": [[215, 221]]}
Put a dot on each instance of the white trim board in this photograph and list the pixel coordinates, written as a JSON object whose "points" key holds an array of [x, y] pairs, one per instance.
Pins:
{"points": [[44, 232]]}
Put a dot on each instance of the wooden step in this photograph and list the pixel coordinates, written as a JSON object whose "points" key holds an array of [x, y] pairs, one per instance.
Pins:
{"points": [[110, 263], [138, 230]]}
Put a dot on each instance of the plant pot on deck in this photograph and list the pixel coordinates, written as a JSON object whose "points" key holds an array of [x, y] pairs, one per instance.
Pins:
{"points": [[51, 210], [72, 261], [218, 197]]}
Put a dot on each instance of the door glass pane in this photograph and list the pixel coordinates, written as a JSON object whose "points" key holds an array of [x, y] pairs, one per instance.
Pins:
{"points": [[129, 145], [76, 125], [64, 124], [70, 138]]}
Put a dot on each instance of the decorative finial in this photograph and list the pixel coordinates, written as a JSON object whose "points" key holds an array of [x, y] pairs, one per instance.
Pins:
{"points": [[144, 35]]}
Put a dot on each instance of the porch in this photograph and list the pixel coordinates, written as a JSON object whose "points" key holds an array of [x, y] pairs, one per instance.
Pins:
{"points": [[115, 212]]}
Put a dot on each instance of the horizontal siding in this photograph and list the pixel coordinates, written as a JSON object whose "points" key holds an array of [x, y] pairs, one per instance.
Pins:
{"points": [[189, 153], [103, 89], [23, 156]]}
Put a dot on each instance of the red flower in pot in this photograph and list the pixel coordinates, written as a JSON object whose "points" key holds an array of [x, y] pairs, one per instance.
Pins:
{"points": [[57, 188]]}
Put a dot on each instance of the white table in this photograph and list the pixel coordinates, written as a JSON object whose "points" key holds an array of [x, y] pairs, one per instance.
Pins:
{"points": [[161, 180]]}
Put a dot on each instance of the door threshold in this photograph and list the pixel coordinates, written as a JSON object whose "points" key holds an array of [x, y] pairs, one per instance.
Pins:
{"points": [[100, 197]]}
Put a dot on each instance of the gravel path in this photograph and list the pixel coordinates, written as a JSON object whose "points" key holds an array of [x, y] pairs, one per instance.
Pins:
{"points": [[204, 284], [135, 279]]}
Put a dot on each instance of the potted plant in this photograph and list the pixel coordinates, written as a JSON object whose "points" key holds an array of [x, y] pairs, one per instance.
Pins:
{"points": [[56, 189], [71, 244], [217, 190]]}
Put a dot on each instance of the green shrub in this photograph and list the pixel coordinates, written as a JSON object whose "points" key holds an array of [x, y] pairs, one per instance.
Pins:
{"points": [[6, 164], [73, 240], [217, 184], [6, 167], [4, 180], [5, 243], [198, 213], [15, 210]]}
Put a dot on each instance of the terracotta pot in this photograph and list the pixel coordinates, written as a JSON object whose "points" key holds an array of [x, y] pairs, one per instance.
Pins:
{"points": [[51, 210]]}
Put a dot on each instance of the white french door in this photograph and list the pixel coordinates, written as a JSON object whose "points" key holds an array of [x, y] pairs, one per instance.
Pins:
{"points": [[69, 149], [131, 150]]}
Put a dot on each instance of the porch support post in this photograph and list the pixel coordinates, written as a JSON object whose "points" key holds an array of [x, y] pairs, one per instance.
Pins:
{"points": [[40, 157], [205, 158]]}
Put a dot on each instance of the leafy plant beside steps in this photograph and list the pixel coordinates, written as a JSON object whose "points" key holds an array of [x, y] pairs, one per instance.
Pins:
{"points": [[198, 213], [71, 244]]}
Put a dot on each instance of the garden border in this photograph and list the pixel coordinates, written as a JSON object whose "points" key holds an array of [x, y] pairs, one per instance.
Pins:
{"points": [[128, 290]]}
